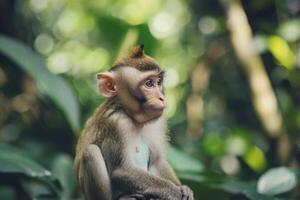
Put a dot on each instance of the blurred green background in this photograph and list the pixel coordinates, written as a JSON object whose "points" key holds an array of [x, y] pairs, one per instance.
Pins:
{"points": [[232, 87]]}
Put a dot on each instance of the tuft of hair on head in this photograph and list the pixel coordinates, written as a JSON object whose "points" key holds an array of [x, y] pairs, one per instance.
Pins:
{"points": [[137, 52], [138, 59]]}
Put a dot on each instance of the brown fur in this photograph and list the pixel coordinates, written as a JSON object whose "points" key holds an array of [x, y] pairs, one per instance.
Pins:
{"points": [[136, 58], [103, 153], [104, 129]]}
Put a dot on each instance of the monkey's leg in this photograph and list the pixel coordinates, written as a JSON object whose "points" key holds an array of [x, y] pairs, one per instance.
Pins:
{"points": [[93, 175], [151, 186]]}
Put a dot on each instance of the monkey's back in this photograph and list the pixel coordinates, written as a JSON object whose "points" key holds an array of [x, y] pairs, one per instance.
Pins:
{"points": [[97, 129]]}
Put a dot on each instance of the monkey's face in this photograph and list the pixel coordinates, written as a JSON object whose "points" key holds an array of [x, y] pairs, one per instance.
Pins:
{"points": [[150, 97], [140, 92], [136, 80]]}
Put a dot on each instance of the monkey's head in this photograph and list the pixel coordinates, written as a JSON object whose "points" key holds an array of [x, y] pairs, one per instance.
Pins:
{"points": [[137, 81]]}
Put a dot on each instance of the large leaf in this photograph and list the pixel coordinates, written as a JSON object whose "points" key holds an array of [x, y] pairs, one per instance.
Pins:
{"points": [[228, 184], [52, 85], [63, 169], [181, 161], [277, 181], [12, 161], [247, 189]]}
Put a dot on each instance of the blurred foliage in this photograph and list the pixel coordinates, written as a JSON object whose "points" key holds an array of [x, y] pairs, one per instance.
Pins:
{"points": [[50, 51]]}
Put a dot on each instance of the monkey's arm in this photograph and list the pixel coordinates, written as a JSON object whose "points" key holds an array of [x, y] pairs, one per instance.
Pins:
{"points": [[92, 174], [164, 170], [160, 167], [134, 180]]}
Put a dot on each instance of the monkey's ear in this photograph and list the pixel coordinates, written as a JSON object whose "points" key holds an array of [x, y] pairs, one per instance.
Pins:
{"points": [[107, 84]]}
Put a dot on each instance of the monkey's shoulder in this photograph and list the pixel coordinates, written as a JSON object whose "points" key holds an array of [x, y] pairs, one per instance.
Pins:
{"points": [[96, 129], [119, 128]]}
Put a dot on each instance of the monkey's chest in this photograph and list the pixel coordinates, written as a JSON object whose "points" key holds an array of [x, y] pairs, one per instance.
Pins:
{"points": [[140, 154]]}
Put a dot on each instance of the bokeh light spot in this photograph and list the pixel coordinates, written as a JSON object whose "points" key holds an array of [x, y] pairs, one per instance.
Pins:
{"points": [[236, 145], [230, 164], [208, 25], [59, 63], [171, 79], [162, 25], [38, 5], [255, 158], [43, 43]]}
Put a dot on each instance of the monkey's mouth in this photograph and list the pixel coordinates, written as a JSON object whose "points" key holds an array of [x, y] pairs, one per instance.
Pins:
{"points": [[155, 108], [155, 113], [158, 109]]}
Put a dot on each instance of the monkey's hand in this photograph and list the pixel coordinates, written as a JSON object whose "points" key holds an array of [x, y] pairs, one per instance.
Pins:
{"points": [[187, 193]]}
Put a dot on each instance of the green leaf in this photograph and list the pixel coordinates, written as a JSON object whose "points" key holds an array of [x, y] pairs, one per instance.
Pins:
{"points": [[277, 181], [247, 189], [11, 161], [226, 184], [41, 181], [63, 169], [52, 85], [180, 161], [281, 50], [191, 177], [7, 192], [36, 187], [46, 198]]}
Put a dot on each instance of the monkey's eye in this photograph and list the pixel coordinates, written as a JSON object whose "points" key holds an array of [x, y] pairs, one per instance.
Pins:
{"points": [[149, 83]]}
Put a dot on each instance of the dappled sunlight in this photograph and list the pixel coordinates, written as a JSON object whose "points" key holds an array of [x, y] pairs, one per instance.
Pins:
{"points": [[236, 145], [231, 88], [255, 159], [138, 12], [44, 44], [282, 52], [172, 78], [162, 25], [38, 5], [59, 63], [230, 164], [208, 25]]}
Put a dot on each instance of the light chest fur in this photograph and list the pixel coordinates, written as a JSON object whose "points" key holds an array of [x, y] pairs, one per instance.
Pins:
{"points": [[141, 141]]}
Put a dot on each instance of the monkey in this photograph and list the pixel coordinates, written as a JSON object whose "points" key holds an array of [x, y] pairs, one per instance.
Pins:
{"points": [[120, 152]]}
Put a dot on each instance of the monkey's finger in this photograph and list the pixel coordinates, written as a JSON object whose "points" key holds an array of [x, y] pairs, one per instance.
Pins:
{"points": [[133, 197], [184, 190], [188, 190], [139, 197], [190, 194], [184, 198]]}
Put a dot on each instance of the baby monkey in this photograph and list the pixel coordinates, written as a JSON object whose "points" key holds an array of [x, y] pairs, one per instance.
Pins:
{"points": [[120, 153]]}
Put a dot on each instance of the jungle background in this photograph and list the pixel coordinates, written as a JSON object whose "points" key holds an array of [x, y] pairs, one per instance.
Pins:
{"points": [[232, 87]]}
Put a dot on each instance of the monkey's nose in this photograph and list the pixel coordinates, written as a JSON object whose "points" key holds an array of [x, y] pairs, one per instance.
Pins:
{"points": [[161, 99]]}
